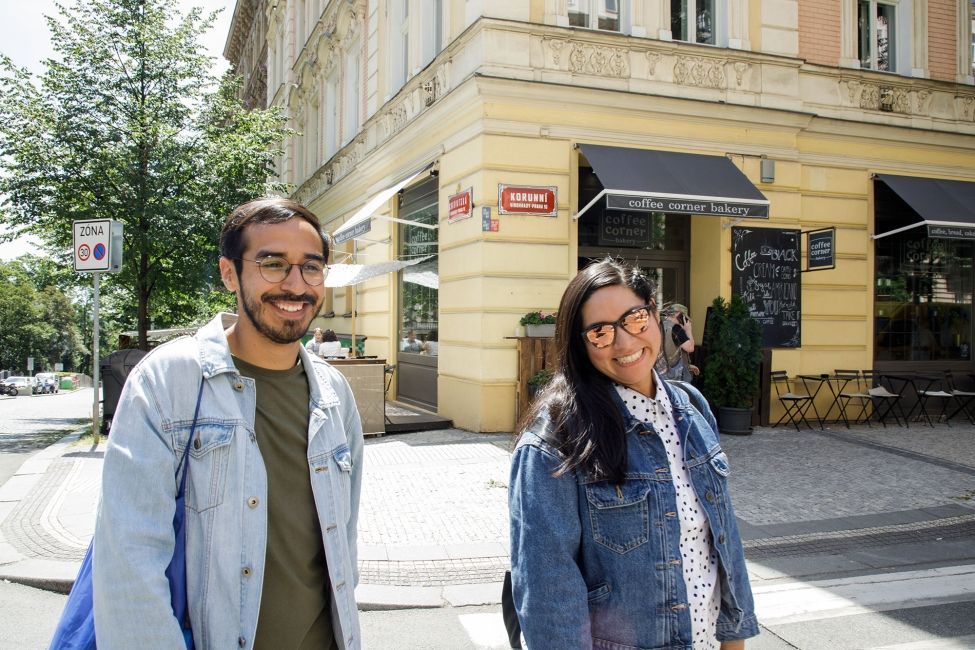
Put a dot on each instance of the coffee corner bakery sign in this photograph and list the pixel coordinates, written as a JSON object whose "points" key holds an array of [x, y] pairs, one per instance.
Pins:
{"points": [[524, 199], [688, 205]]}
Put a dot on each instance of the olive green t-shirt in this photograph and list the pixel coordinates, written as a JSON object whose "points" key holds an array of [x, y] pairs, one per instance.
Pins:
{"points": [[295, 610]]}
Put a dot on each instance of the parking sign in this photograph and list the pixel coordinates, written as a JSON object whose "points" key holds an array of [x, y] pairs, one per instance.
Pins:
{"points": [[92, 239]]}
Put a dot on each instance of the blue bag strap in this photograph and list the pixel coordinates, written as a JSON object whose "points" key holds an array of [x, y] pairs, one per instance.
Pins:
{"points": [[186, 450]]}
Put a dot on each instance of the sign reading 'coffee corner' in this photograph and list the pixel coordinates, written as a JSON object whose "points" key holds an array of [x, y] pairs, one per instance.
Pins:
{"points": [[696, 205]]}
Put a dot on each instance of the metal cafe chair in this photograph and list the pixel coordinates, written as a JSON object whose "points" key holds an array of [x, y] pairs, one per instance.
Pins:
{"points": [[388, 370], [847, 394], [883, 400], [934, 388], [795, 404], [964, 397]]}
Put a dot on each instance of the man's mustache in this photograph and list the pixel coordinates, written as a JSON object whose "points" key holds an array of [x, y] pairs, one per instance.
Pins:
{"points": [[289, 297]]}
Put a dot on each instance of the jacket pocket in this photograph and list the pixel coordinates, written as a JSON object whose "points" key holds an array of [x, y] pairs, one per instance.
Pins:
{"points": [[209, 458], [619, 515]]}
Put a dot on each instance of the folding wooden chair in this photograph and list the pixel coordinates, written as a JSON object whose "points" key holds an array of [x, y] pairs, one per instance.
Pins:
{"points": [[795, 404], [964, 398], [388, 370], [884, 401], [849, 394]]}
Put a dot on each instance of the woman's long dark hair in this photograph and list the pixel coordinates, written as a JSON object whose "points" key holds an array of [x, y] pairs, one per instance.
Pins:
{"points": [[586, 423]]}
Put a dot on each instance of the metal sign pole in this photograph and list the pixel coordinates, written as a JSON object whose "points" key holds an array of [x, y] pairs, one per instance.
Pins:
{"points": [[94, 362]]}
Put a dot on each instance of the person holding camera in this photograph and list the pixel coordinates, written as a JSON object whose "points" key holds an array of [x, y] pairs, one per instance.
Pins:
{"points": [[674, 361]]}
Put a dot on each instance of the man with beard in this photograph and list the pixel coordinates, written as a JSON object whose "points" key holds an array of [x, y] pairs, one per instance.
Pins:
{"points": [[273, 470]]}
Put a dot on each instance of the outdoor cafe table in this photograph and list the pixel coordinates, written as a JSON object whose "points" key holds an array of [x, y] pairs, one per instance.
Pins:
{"points": [[812, 384]]}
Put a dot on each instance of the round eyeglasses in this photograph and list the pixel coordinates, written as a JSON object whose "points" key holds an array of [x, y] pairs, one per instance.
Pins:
{"points": [[276, 269], [634, 321]]}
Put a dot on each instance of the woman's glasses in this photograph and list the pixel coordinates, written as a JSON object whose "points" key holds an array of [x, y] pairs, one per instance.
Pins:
{"points": [[635, 321], [275, 269]]}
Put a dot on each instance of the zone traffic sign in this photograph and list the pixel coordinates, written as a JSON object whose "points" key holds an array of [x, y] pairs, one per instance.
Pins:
{"points": [[91, 244]]}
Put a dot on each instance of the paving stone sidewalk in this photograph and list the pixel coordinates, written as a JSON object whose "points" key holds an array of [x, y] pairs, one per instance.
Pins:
{"points": [[433, 520]]}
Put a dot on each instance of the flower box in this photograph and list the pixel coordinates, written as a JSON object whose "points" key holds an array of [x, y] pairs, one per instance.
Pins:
{"points": [[547, 329]]}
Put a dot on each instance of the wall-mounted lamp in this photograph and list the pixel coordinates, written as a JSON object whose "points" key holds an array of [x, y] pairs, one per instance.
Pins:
{"points": [[768, 170]]}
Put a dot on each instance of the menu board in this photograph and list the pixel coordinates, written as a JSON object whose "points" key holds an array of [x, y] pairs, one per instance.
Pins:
{"points": [[765, 271]]}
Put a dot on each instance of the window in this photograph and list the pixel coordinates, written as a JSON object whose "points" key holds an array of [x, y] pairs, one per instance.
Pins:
{"points": [[399, 51], [923, 300], [595, 14], [331, 115], [350, 112], [432, 30], [693, 21], [877, 35], [419, 284]]}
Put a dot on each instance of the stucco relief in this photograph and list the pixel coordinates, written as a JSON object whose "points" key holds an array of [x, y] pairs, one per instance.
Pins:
{"points": [[586, 58], [741, 67], [653, 58], [696, 71], [890, 99], [966, 107]]}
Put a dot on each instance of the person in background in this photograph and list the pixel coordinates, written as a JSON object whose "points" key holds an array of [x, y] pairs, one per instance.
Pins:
{"points": [[411, 343], [331, 346], [431, 345], [314, 344], [678, 343], [623, 534], [274, 470]]}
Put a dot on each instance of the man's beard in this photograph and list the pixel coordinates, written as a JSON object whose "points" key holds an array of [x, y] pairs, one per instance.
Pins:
{"points": [[290, 331]]}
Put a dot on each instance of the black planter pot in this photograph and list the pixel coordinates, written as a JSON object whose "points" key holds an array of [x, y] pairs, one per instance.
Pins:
{"points": [[734, 421]]}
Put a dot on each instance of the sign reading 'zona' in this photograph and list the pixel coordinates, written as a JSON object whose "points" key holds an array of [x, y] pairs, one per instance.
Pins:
{"points": [[91, 241]]}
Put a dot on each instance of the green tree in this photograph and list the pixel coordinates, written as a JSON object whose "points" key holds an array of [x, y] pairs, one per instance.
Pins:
{"points": [[129, 124]]}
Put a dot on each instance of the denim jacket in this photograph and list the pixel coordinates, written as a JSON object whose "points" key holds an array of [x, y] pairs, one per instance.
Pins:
{"points": [[595, 565], [226, 489]]}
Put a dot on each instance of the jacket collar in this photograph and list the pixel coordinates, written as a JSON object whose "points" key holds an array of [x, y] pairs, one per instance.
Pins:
{"points": [[215, 359]]}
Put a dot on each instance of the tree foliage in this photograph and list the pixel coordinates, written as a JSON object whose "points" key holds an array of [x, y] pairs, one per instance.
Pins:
{"points": [[37, 319], [127, 123]]}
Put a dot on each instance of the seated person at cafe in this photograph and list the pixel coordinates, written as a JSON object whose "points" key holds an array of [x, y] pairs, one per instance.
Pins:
{"points": [[330, 346], [430, 344], [411, 343]]}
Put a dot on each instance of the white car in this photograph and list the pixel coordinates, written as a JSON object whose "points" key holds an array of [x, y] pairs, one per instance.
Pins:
{"points": [[24, 385]]}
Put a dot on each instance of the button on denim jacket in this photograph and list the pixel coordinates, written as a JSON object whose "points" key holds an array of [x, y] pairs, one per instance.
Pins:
{"points": [[226, 516], [599, 566]]}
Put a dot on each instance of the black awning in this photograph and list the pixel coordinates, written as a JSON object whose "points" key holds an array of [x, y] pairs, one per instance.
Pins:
{"points": [[644, 180], [946, 207]]}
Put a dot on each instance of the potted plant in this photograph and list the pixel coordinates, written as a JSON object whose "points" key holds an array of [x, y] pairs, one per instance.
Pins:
{"points": [[730, 372], [537, 381], [538, 323]]}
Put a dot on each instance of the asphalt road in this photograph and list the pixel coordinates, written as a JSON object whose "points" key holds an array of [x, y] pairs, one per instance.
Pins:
{"points": [[29, 423]]}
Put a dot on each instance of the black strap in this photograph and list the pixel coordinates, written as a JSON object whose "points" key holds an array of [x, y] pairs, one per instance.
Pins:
{"points": [[189, 441]]}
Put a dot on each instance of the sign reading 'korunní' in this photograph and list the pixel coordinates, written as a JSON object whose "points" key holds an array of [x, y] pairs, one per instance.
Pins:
{"points": [[695, 205]]}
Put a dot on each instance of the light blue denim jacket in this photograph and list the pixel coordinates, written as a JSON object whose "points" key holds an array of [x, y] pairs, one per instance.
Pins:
{"points": [[594, 566], [226, 532]]}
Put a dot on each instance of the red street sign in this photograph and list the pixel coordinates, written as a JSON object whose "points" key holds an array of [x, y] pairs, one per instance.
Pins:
{"points": [[460, 206], [524, 199]]}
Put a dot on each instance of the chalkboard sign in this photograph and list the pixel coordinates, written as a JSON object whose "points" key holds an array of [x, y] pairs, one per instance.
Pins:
{"points": [[765, 271], [821, 249]]}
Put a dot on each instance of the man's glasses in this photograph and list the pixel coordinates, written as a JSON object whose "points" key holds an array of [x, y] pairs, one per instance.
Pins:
{"points": [[635, 321], [275, 269]]}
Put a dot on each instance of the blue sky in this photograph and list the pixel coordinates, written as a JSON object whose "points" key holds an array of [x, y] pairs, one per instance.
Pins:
{"points": [[25, 39]]}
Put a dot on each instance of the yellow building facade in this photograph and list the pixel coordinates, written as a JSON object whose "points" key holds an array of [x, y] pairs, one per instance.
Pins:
{"points": [[440, 112]]}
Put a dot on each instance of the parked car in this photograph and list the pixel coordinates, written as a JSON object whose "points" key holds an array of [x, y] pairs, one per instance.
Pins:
{"points": [[48, 381], [22, 385]]}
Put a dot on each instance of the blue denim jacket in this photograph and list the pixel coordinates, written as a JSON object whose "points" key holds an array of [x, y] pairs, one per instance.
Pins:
{"points": [[594, 566], [226, 532]]}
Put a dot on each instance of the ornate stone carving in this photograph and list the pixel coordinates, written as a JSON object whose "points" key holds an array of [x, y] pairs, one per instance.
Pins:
{"points": [[741, 67], [966, 106], [696, 71], [890, 99], [653, 58], [586, 58]]}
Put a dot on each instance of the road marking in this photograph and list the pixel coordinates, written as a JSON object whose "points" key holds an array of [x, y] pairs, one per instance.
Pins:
{"points": [[485, 630], [796, 602]]}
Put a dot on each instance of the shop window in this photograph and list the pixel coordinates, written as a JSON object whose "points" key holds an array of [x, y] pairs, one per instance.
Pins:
{"points": [[596, 14], [419, 284], [693, 21], [923, 301], [877, 40]]}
